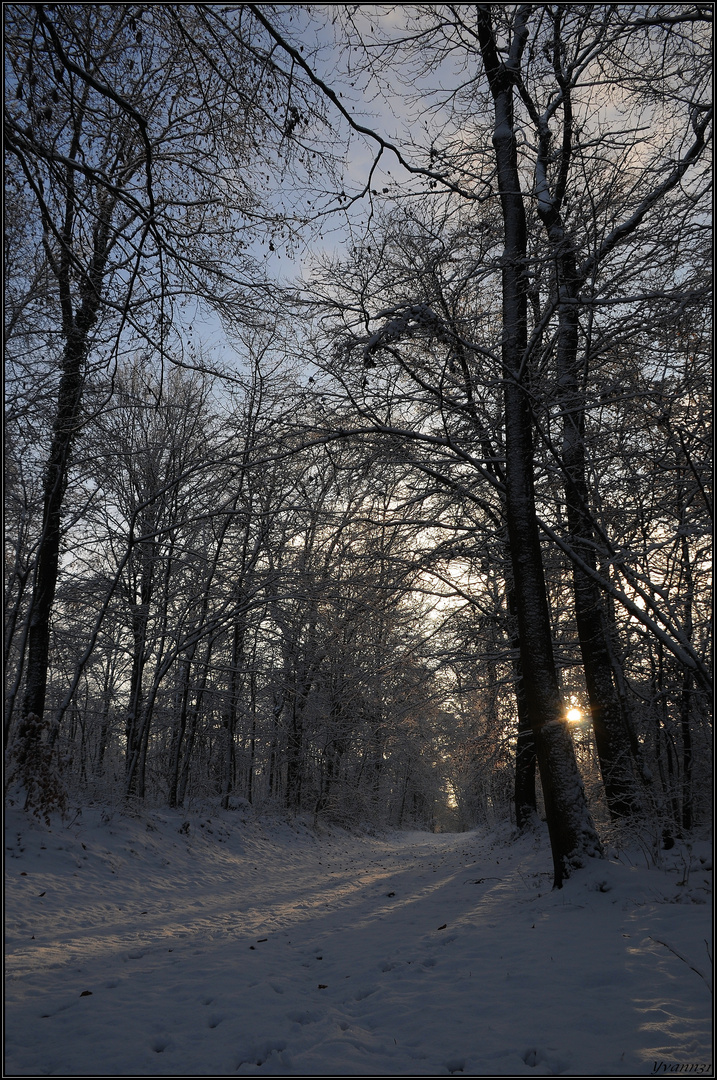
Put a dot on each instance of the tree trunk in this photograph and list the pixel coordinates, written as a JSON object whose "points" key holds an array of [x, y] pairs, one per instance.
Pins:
{"points": [[135, 709], [179, 730], [48, 555], [572, 834], [294, 748], [525, 798], [252, 738], [193, 723], [229, 766], [685, 703], [612, 739], [76, 329]]}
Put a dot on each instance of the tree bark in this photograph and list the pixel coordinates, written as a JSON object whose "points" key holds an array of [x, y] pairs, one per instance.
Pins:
{"points": [[55, 484]]}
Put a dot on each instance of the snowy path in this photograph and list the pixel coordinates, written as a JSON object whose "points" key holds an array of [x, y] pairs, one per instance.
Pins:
{"points": [[244, 948]]}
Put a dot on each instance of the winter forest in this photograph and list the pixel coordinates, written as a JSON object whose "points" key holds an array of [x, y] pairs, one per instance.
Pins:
{"points": [[358, 479], [358, 404]]}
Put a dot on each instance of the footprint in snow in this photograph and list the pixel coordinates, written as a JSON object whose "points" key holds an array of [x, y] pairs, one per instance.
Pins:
{"points": [[537, 1056], [259, 1054]]}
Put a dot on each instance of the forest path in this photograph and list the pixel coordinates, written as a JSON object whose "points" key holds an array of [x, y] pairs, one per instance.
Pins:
{"points": [[262, 949]]}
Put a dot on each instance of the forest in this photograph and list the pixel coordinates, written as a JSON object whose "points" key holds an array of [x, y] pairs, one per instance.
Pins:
{"points": [[358, 413]]}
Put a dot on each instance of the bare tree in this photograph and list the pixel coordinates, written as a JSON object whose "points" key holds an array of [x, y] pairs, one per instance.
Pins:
{"points": [[132, 136]]}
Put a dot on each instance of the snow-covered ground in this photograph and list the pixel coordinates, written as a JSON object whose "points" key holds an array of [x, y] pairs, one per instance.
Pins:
{"points": [[172, 944]]}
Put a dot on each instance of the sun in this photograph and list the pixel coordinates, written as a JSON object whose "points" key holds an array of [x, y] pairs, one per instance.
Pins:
{"points": [[574, 715]]}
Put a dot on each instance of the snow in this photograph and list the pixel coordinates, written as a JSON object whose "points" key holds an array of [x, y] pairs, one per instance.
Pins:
{"points": [[175, 944], [545, 202]]}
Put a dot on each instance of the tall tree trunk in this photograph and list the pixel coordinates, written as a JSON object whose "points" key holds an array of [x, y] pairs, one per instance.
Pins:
{"points": [[55, 484], [179, 730], [252, 737], [230, 721], [685, 708], [137, 708], [76, 329], [572, 834], [193, 722], [612, 737], [105, 718], [294, 759]]}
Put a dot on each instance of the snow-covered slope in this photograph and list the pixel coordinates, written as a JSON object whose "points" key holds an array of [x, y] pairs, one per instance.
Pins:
{"points": [[173, 945]]}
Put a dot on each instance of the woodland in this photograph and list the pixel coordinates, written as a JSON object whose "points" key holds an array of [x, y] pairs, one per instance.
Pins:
{"points": [[358, 413]]}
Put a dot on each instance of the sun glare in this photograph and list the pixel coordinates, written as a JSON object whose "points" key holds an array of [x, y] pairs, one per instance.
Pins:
{"points": [[574, 716]]}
